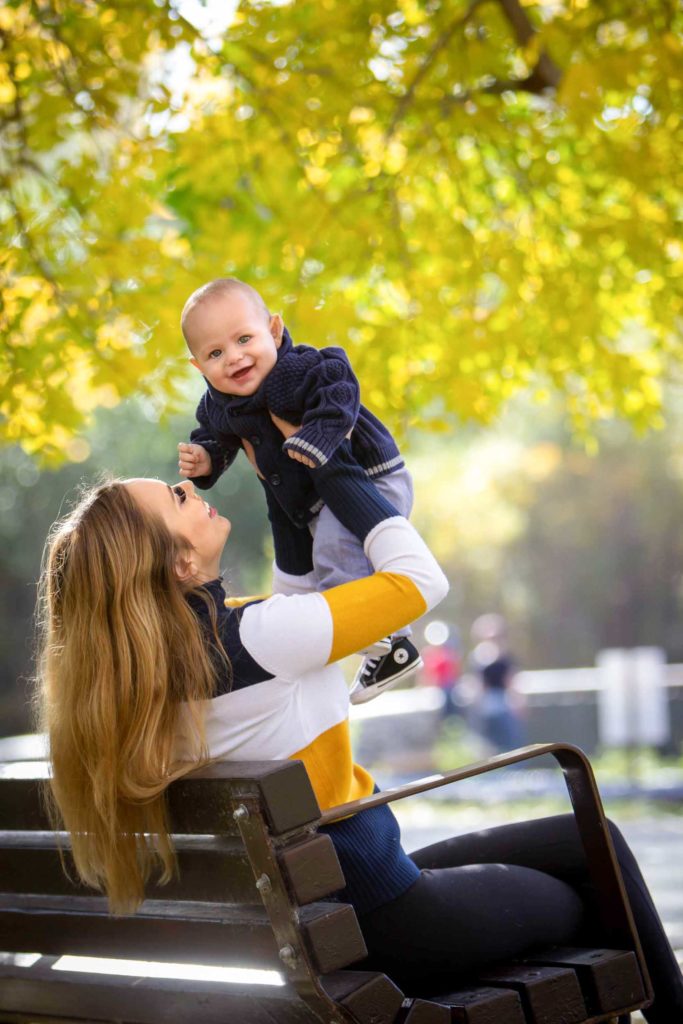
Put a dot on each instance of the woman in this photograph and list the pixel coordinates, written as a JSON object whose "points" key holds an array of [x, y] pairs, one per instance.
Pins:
{"points": [[144, 671]]}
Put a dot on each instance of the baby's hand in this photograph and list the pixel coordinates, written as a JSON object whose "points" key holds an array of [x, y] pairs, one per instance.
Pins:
{"points": [[298, 457], [287, 429], [193, 460]]}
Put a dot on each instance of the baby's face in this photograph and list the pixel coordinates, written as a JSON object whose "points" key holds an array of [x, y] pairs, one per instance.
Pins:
{"points": [[233, 344]]}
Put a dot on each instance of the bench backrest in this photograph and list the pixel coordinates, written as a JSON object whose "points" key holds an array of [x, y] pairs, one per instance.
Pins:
{"points": [[251, 889]]}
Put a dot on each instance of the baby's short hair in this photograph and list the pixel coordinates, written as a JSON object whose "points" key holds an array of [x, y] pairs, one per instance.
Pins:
{"points": [[220, 286]]}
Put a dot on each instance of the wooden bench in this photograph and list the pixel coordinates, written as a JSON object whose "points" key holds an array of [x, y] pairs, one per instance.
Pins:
{"points": [[254, 890]]}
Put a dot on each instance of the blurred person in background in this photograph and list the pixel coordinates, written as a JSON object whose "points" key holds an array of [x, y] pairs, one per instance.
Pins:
{"points": [[496, 715], [442, 664]]}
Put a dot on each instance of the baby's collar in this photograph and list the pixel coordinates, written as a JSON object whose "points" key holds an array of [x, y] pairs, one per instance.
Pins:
{"points": [[285, 344]]}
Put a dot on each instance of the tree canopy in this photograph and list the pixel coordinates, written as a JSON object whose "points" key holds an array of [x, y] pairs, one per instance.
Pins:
{"points": [[471, 197]]}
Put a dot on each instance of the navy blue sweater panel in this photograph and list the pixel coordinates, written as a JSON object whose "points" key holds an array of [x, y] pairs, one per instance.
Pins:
{"points": [[293, 546], [376, 867], [242, 670]]}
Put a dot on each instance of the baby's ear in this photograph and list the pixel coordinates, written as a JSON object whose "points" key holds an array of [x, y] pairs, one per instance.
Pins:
{"points": [[276, 328], [195, 363]]}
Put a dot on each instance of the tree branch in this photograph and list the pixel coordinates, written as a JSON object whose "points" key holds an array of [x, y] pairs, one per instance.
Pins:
{"points": [[546, 73], [32, 249], [440, 45]]}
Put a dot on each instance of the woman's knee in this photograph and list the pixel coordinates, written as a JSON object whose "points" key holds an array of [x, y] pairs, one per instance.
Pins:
{"points": [[617, 836]]}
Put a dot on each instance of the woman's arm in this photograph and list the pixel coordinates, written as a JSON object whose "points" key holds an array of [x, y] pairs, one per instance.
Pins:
{"points": [[290, 635]]}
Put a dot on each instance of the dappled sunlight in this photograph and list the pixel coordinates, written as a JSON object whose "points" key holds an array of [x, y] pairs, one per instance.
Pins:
{"points": [[181, 972]]}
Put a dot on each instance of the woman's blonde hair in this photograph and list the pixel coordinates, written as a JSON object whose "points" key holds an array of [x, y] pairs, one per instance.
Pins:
{"points": [[121, 652]]}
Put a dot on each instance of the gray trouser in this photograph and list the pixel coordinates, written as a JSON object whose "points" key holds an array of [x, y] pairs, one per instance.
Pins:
{"points": [[338, 555]]}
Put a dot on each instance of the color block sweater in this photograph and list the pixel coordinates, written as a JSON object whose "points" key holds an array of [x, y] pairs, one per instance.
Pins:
{"points": [[286, 696]]}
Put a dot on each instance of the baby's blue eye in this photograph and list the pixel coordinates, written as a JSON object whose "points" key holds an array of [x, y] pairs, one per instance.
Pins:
{"points": [[244, 339], [215, 354]]}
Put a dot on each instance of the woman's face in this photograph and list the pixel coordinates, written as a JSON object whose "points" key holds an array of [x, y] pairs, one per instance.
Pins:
{"points": [[187, 516]]}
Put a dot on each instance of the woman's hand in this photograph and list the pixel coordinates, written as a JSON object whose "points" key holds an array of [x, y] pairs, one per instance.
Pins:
{"points": [[287, 429]]}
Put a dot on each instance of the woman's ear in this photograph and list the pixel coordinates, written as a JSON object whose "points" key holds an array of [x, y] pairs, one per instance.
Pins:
{"points": [[276, 328], [185, 568]]}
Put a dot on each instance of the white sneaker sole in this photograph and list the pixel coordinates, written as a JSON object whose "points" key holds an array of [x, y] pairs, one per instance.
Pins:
{"points": [[362, 694]]}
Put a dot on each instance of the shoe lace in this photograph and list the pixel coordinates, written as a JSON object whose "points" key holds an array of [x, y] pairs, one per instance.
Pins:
{"points": [[370, 666]]}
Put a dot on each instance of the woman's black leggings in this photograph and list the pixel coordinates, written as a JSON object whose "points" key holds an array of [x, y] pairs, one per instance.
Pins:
{"points": [[500, 892]]}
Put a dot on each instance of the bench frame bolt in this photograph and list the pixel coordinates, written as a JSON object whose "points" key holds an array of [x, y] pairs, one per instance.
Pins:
{"points": [[240, 813], [288, 956]]}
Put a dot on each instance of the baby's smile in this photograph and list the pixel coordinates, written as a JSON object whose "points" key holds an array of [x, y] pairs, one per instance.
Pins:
{"points": [[243, 372]]}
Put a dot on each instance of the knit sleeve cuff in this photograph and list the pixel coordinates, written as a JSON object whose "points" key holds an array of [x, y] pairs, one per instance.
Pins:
{"points": [[313, 444]]}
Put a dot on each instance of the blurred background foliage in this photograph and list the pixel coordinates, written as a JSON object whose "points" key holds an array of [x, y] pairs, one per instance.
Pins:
{"points": [[578, 551], [480, 200], [473, 197]]}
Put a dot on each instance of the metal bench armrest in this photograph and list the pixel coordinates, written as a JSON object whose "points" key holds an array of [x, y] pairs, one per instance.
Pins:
{"points": [[602, 864]]}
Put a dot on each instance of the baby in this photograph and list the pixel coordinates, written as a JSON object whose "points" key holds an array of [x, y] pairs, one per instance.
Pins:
{"points": [[252, 370]]}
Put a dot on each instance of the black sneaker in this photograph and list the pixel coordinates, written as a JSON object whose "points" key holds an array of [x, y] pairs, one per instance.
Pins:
{"points": [[378, 674]]}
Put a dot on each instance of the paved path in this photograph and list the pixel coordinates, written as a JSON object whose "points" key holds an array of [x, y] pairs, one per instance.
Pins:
{"points": [[658, 845], [657, 841]]}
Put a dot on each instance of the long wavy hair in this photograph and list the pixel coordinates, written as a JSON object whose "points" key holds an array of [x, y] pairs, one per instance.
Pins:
{"points": [[121, 656]]}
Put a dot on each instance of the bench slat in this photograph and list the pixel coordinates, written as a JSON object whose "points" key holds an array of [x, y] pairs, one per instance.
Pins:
{"points": [[369, 997], [609, 978], [285, 791], [312, 869], [423, 1011], [197, 932], [200, 803], [484, 1005], [550, 995], [215, 869], [39, 991]]}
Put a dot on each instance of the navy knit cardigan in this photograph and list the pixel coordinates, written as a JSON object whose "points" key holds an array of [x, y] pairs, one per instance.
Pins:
{"points": [[318, 389]]}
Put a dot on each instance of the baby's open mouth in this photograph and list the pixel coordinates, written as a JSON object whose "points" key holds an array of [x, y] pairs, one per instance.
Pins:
{"points": [[242, 373]]}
